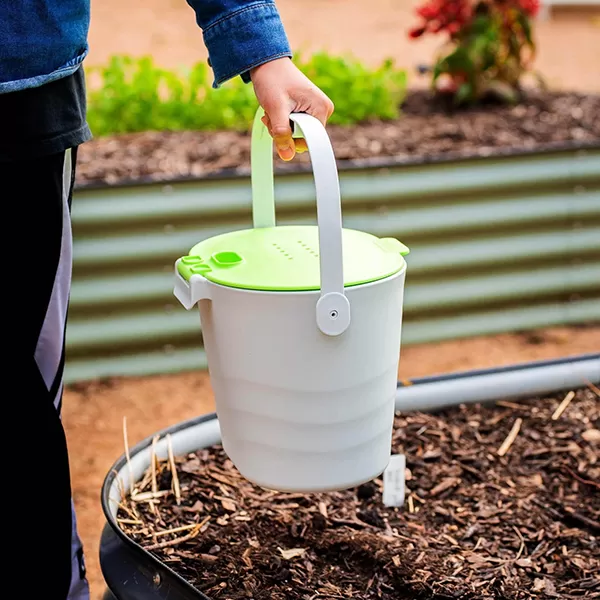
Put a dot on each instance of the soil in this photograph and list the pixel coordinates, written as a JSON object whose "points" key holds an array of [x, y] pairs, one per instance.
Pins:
{"points": [[503, 502], [427, 130]]}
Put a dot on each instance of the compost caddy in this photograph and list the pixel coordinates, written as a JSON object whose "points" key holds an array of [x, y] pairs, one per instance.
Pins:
{"points": [[302, 328]]}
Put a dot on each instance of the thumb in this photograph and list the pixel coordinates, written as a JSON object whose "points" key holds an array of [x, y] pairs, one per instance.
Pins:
{"points": [[281, 131]]}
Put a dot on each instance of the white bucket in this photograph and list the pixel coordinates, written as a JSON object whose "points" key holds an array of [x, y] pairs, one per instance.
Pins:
{"points": [[304, 381]]}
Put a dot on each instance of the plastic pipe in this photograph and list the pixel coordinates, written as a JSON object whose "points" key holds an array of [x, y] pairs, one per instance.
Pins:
{"points": [[487, 385]]}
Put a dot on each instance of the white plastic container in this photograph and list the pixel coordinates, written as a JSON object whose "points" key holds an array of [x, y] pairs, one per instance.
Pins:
{"points": [[301, 327]]}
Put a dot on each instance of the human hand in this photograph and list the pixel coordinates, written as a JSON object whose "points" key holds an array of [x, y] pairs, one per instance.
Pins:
{"points": [[281, 89]]}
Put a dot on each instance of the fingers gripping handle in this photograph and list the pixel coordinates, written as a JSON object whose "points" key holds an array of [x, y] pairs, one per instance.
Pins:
{"points": [[333, 308]]}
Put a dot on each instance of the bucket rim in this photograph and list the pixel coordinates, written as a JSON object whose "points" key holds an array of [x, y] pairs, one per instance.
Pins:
{"points": [[316, 291]]}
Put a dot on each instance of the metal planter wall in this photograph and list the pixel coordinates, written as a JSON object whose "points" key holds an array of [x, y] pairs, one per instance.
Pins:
{"points": [[497, 244]]}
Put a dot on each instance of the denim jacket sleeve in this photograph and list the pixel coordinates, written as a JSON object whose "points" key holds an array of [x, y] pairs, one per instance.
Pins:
{"points": [[240, 35]]}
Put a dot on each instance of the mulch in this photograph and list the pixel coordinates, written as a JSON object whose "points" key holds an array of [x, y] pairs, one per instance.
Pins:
{"points": [[427, 130], [503, 502]]}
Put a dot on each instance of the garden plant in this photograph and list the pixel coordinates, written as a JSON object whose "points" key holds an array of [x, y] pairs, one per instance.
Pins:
{"points": [[135, 94], [488, 46]]}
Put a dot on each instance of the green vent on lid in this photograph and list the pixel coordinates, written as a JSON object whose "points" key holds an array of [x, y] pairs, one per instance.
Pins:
{"points": [[287, 258]]}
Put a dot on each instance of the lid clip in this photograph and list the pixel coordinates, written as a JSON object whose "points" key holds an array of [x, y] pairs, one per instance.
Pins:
{"points": [[190, 290]]}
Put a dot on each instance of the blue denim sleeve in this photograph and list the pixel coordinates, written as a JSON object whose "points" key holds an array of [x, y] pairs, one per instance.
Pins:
{"points": [[240, 35]]}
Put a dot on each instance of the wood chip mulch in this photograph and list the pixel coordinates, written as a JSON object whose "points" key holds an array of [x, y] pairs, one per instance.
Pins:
{"points": [[503, 502]]}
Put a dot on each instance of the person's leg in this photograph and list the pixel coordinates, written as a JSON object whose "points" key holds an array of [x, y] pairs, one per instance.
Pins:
{"points": [[39, 213]]}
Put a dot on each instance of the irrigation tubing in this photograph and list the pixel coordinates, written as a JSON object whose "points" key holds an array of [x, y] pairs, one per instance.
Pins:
{"points": [[487, 385]]}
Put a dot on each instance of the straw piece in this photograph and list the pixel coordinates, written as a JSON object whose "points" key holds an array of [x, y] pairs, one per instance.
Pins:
{"points": [[129, 510], [129, 468], [119, 484], [563, 405], [510, 438], [175, 478], [592, 387], [195, 531], [130, 522], [513, 405], [153, 461], [174, 542], [154, 482], [145, 496], [176, 529]]}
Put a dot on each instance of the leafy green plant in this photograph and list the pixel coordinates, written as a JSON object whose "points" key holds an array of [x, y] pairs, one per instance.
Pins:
{"points": [[358, 92], [134, 94], [489, 46]]}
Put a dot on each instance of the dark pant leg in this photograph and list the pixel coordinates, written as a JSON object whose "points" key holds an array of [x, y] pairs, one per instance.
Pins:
{"points": [[37, 198]]}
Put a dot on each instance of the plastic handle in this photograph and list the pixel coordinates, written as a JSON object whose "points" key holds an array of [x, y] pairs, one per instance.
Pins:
{"points": [[333, 308]]}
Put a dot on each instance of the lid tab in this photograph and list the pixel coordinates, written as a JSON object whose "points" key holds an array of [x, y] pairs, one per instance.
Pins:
{"points": [[192, 265]]}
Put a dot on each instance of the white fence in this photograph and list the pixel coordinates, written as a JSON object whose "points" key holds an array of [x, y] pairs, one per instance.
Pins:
{"points": [[548, 4]]}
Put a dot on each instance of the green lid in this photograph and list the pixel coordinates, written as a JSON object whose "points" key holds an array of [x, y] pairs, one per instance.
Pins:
{"points": [[287, 258]]}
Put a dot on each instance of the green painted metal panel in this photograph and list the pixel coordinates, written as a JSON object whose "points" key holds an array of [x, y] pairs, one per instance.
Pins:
{"points": [[103, 291], [188, 355], [497, 244], [448, 294], [98, 249], [181, 200]]}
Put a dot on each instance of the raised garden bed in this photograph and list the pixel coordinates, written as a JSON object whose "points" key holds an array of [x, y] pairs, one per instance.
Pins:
{"points": [[503, 502], [427, 130], [499, 206]]}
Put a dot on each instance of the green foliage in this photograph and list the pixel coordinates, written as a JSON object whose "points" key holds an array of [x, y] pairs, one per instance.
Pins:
{"points": [[358, 92], [133, 95]]}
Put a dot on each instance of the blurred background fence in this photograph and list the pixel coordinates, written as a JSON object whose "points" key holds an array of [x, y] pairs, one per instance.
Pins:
{"points": [[497, 244]]}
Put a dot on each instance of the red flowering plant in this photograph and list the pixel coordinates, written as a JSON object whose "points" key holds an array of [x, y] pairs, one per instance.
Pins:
{"points": [[489, 46]]}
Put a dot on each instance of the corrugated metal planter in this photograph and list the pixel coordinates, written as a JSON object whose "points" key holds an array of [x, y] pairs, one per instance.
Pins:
{"points": [[497, 244]]}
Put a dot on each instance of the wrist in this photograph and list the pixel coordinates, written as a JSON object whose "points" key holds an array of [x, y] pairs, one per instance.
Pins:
{"points": [[269, 64]]}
